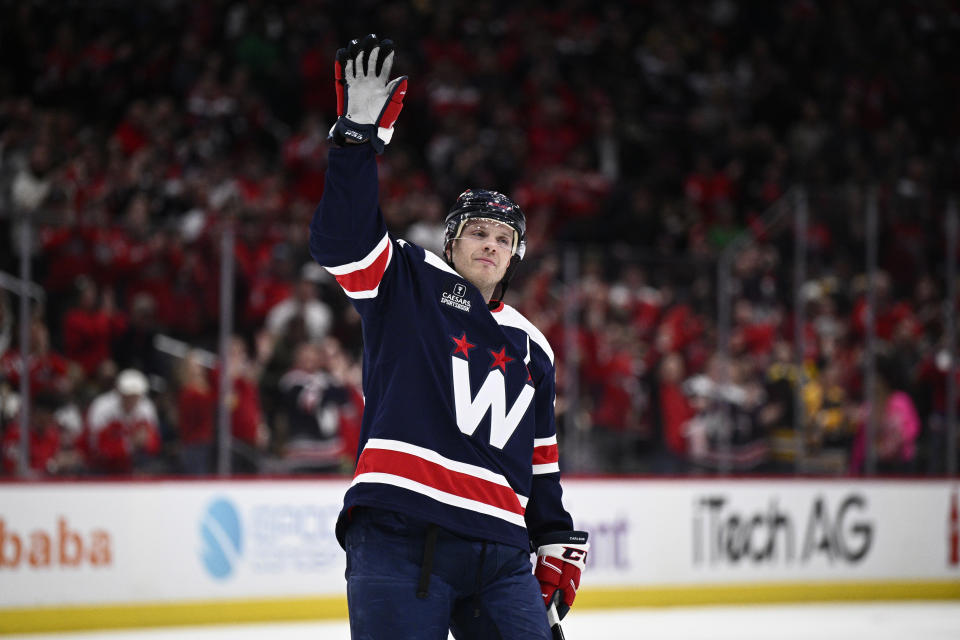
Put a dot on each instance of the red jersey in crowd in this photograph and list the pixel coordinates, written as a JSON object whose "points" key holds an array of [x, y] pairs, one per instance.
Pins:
{"points": [[245, 416], [675, 412], [87, 334], [245, 409], [44, 446], [196, 410], [118, 434], [48, 371]]}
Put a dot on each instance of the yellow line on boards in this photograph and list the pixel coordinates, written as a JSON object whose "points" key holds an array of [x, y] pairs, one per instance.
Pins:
{"points": [[193, 613], [165, 614], [767, 593]]}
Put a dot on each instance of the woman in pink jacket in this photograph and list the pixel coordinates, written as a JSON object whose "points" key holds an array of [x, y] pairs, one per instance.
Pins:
{"points": [[897, 427]]}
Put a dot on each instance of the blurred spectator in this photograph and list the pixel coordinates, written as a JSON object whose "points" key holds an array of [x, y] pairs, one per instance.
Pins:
{"points": [[124, 434], [830, 431], [676, 411], [50, 372], [897, 426], [269, 286], [311, 413], [34, 182], [44, 440], [727, 432], [620, 415], [129, 177], [303, 303], [194, 294], [134, 346], [249, 431], [89, 327], [196, 414]]}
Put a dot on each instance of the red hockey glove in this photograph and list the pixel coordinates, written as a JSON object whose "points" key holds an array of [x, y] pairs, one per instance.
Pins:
{"points": [[367, 105], [561, 557]]}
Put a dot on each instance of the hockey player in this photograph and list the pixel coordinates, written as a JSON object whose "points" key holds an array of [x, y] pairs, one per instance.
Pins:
{"points": [[457, 476]]}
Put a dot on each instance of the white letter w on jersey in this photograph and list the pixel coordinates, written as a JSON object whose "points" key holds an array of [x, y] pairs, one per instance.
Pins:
{"points": [[493, 396]]}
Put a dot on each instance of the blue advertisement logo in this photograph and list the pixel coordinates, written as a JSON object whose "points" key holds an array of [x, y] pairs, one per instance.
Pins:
{"points": [[222, 538]]}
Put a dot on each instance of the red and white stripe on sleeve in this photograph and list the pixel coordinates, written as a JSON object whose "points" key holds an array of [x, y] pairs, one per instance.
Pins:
{"points": [[546, 456], [361, 279]]}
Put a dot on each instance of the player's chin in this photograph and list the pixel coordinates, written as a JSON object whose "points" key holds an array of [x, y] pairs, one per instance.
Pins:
{"points": [[486, 265]]}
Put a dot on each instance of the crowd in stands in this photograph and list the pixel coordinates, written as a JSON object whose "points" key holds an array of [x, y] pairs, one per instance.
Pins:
{"points": [[641, 139]]}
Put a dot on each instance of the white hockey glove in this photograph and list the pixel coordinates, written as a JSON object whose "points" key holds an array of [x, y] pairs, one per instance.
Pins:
{"points": [[561, 557], [367, 105]]}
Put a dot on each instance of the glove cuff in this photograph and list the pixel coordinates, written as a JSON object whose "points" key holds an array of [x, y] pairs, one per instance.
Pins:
{"points": [[345, 132], [562, 537], [385, 134], [573, 554]]}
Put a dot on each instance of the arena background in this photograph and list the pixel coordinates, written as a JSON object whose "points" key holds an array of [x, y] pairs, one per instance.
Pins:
{"points": [[742, 247]]}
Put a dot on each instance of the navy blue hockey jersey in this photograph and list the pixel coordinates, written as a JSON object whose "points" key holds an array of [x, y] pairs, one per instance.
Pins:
{"points": [[458, 425]]}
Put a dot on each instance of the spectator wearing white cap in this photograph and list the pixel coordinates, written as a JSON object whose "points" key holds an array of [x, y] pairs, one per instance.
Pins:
{"points": [[123, 430]]}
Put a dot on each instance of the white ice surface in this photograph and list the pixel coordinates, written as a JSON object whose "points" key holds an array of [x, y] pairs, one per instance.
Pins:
{"points": [[869, 621]]}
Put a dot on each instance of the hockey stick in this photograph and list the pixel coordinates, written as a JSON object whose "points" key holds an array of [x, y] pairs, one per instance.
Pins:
{"points": [[553, 618]]}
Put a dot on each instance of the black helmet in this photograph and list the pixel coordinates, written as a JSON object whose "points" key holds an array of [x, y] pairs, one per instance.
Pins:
{"points": [[476, 204], [492, 205]]}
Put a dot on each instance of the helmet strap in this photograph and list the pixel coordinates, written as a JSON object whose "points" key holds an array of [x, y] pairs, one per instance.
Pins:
{"points": [[448, 252], [501, 289]]}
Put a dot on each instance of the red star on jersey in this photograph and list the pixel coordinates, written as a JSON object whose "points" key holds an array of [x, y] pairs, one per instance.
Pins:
{"points": [[462, 345], [500, 359]]}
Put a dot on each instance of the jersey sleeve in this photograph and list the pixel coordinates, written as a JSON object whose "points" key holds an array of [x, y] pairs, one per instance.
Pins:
{"points": [[545, 511], [348, 236]]}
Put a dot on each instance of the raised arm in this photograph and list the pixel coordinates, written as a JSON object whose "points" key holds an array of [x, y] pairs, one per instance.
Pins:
{"points": [[347, 234]]}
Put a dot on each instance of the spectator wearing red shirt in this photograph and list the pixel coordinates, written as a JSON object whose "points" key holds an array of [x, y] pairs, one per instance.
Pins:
{"points": [[124, 434], [88, 329], [270, 286], [676, 411], [305, 157], [889, 312], [196, 412], [49, 371], [131, 133], [248, 428], [68, 253], [44, 440]]}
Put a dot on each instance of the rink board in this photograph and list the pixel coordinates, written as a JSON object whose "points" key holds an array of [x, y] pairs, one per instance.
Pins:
{"points": [[96, 555]]}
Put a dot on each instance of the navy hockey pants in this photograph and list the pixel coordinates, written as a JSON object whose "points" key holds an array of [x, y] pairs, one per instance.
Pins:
{"points": [[477, 590]]}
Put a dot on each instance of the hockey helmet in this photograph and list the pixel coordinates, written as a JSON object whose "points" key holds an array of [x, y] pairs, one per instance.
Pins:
{"points": [[475, 204], [482, 204]]}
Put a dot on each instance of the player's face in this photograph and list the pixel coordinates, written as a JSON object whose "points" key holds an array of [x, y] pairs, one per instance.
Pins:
{"points": [[482, 253]]}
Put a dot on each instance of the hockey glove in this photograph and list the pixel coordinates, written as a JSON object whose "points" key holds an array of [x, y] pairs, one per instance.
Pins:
{"points": [[561, 557], [367, 105]]}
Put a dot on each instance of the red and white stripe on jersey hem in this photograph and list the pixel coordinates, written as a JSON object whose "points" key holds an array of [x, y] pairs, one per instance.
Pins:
{"points": [[546, 455], [361, 279], [428, 473]]}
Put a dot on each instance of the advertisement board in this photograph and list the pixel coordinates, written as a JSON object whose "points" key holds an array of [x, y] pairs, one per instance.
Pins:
{"points": [[87, 555], [679, 532], [115, 543]]}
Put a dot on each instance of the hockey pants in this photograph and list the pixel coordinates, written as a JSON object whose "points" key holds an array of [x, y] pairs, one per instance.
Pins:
{"points": [[409, 579]]}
